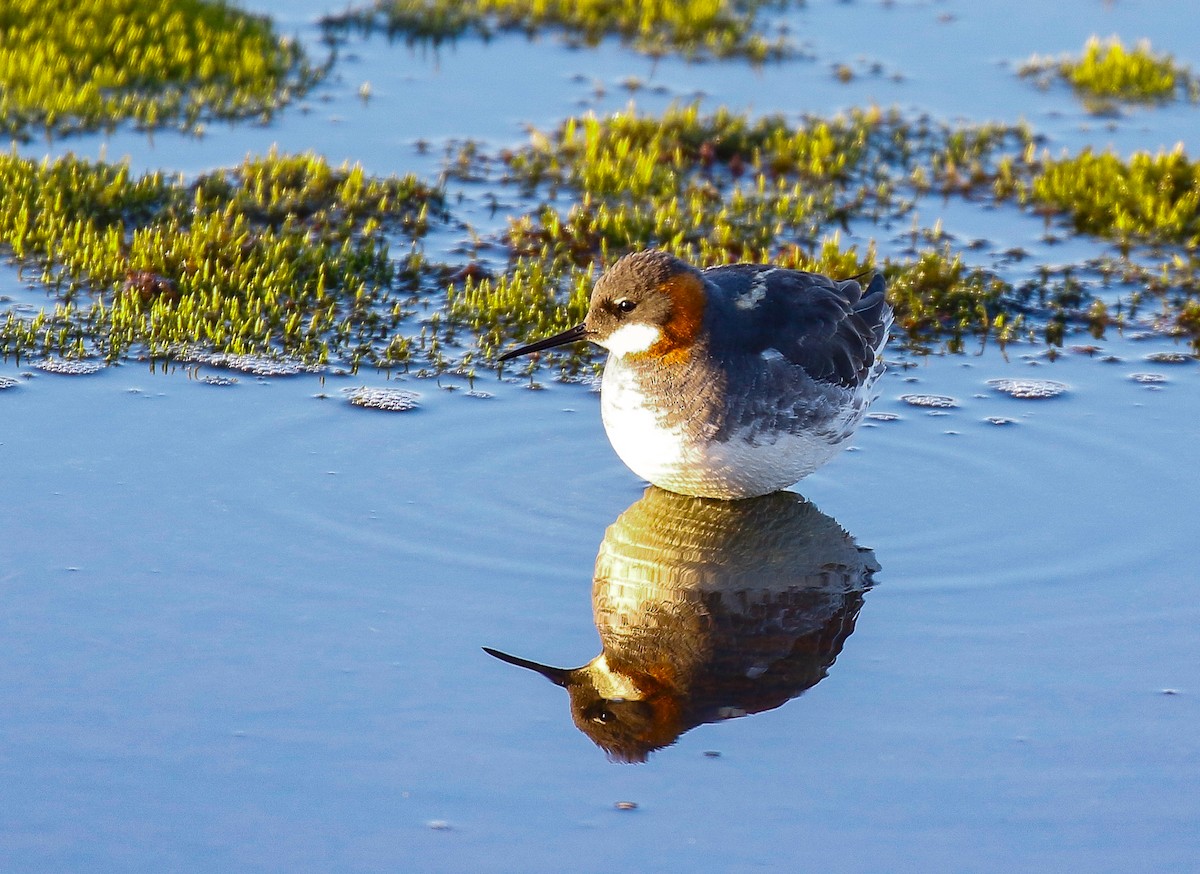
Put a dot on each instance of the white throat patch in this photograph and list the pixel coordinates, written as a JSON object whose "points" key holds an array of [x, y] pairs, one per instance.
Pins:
{"points": [[631, 339]]}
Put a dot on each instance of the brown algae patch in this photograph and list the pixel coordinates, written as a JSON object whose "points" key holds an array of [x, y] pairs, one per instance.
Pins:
{"points": [[1028, 389], [73, 65], [391, 399]]}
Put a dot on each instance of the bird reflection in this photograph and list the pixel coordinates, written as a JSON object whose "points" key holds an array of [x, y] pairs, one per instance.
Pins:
{"points": [[709, 610]]}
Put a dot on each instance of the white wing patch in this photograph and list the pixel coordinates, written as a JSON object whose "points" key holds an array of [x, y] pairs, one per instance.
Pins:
{"points": [[630, 339], [757, 292]]}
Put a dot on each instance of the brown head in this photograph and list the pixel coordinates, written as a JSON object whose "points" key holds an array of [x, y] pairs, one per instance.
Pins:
{"points": [[649, 303]]}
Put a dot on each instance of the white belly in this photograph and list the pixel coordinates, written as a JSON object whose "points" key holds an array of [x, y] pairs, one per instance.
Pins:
{"points": [[682, 460]]}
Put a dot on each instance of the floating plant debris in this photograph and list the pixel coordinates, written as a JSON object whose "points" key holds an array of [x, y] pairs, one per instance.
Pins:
{"points": [[1000, 420], [68, 367], [1148, 378], [933, 402], [259, 365], [1028, 389], [391, 399], [8, 382], [72, 65], [219, 380]]}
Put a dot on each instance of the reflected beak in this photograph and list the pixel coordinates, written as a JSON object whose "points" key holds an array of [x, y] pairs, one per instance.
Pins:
{"points": [[557, 676], [579, 332]]}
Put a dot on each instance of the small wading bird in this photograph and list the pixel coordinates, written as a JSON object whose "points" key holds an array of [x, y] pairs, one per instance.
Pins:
{"points": [[730, 382]]}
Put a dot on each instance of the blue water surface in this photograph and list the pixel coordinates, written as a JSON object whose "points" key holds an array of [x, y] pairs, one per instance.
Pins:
{"points": [[241, 625]]}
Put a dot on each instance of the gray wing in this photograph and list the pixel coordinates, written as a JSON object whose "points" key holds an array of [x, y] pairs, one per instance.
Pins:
{"points": [[828, 327]]}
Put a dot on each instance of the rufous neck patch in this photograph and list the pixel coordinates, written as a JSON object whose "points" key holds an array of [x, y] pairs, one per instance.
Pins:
{"points": [[679, 334]]}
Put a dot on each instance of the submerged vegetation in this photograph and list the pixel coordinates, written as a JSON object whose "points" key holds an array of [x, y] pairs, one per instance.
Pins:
{"points": [[694, 28], [1109, 71], [282, 255], [70, 65]]}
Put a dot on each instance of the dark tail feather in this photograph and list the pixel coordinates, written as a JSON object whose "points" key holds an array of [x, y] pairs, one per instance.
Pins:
{"points": [[873, 308]]}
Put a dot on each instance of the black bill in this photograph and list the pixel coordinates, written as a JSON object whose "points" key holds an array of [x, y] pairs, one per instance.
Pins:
{"points": [[579, 332]]}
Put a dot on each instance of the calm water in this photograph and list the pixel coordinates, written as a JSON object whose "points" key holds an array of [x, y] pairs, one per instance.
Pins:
{"points": [[242, 625]]}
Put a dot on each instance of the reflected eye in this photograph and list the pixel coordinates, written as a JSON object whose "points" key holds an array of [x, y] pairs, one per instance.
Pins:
{"points": [[625, 305]]}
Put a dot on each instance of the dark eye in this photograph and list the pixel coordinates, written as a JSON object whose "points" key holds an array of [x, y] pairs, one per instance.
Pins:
{"points": [[625, 305]]}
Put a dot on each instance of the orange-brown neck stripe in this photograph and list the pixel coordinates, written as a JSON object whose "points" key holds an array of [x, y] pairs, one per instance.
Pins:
{"points": [[686, 291]]}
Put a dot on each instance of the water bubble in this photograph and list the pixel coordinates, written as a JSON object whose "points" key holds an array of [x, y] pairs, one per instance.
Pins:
{"points": [[391, 399], [1028, 389]]}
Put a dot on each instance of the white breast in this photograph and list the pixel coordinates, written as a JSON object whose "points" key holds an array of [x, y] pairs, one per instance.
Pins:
{"points": [[681, 460]]}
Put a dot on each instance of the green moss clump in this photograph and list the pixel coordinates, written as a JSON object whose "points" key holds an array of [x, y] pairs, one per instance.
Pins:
{"points": [[283, 254], [1109, 71], [719, 188], [72, 65], [695, 28], [1145, 199]]}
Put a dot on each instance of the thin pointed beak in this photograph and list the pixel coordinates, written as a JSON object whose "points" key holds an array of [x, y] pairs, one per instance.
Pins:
{"points": [[557, 676], [579, 332]]}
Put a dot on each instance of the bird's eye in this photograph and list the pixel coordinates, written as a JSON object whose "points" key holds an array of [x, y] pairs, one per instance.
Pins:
{"points": [[625, 305]]}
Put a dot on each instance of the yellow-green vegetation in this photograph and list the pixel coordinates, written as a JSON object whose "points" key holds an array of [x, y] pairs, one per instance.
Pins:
{"points": [[68, 65], [1148, 205], [1145, 199], [1109, 71], [695, 28], [719, 188], [280, 255]]}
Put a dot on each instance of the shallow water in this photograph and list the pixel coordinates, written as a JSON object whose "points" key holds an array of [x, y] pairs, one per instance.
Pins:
{"points": [[242, 625], [242, 629]]}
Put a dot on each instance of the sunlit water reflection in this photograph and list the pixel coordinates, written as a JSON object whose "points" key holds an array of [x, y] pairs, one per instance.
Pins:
{"points": [[710, 610]]}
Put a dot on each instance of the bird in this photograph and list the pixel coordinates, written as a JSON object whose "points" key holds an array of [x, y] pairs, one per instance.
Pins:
{"points": [[733, 381], [709, 610]]}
